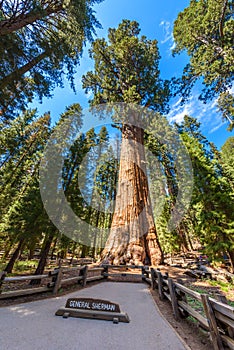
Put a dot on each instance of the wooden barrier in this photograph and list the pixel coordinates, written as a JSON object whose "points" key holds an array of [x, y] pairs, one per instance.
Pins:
{"points": [[23, 292], [218, 319], [145, 272], [56, 279]]}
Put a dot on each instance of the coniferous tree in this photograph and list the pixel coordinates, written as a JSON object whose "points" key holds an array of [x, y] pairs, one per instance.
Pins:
{"points": [[126, 70], [39, 41], [205, 30], [212, 201], [22, 211]]}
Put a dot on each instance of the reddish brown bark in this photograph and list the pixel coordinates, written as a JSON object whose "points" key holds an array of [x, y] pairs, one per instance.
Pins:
{"points": [[15, 23], [133, 237]]}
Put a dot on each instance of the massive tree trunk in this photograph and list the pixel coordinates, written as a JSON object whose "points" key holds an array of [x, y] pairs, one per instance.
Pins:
{"points": [[133, 237]]}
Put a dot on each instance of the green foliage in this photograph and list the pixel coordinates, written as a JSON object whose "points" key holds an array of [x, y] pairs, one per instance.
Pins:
{"points": [[126, 69], [226, 106], [224, 286], [227, 160], [205, 30], [212, 202], [22, 214], [40, 42]]}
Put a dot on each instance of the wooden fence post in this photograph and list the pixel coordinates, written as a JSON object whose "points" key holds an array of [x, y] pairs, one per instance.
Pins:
{"points": [[223, 299], [182, 296], [153, 276], [57, 282], [214, 332], [160, 285], [105, 271], [174, 303], [84, 273], [2, 276], [143, 273]]}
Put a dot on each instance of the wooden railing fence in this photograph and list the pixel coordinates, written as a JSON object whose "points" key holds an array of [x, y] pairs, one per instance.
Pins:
{"points": [[54, 280], [217, 317], [145, 272]]}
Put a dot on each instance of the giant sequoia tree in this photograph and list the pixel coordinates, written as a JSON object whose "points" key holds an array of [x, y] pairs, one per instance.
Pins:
{"points": [[40, 41], [205, 31], [126, 70]]}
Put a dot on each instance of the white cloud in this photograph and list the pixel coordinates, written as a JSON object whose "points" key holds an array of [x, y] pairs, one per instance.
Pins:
{"points": [[167, 33], [205, 113], [89, 94], [216, 127]]}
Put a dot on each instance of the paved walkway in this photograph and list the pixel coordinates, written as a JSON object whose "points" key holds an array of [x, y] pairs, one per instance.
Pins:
{"points": [[33, 326]]}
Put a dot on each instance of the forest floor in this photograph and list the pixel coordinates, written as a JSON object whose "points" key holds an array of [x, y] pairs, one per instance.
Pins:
{"points": [[188, 329]]}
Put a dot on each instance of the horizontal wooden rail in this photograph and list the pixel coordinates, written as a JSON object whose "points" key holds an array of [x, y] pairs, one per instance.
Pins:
{"points": [[195, 314], [222, 308], [71, 279], [23, 292], [218, 319], [148, 280], [97, 269], [74, 268], [94, 278], [228, 341], [121, 274], [188, 291], [57, 277], [123, 266], [25, 278]]}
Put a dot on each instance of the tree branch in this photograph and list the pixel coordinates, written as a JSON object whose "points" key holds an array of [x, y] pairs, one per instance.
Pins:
{"points": [[217, 48], [222, 20], [17, 74], [11, 25]]}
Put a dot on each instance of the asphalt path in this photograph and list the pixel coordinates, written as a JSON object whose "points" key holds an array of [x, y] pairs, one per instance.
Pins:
{"points": [[34, 326]]}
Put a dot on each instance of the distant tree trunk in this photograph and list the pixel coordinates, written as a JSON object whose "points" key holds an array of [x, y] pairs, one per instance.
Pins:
{"points": [[14, 257], [31, 253], [93, 252], [54, 249], [84, 251], [7, 250], [231, 256], [183, 239], [43, 257], [32, 247], [133, 236]]}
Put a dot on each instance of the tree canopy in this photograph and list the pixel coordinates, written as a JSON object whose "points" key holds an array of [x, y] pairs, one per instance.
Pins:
{"points": [[127, 69], [40, 42], [205, 31]]}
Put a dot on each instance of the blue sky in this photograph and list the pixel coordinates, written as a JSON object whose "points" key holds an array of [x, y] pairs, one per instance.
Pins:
{"points": [[156, 19]]}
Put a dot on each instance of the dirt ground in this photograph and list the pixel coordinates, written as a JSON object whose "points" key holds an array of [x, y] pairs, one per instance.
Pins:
{"points": [[189, 331]]}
